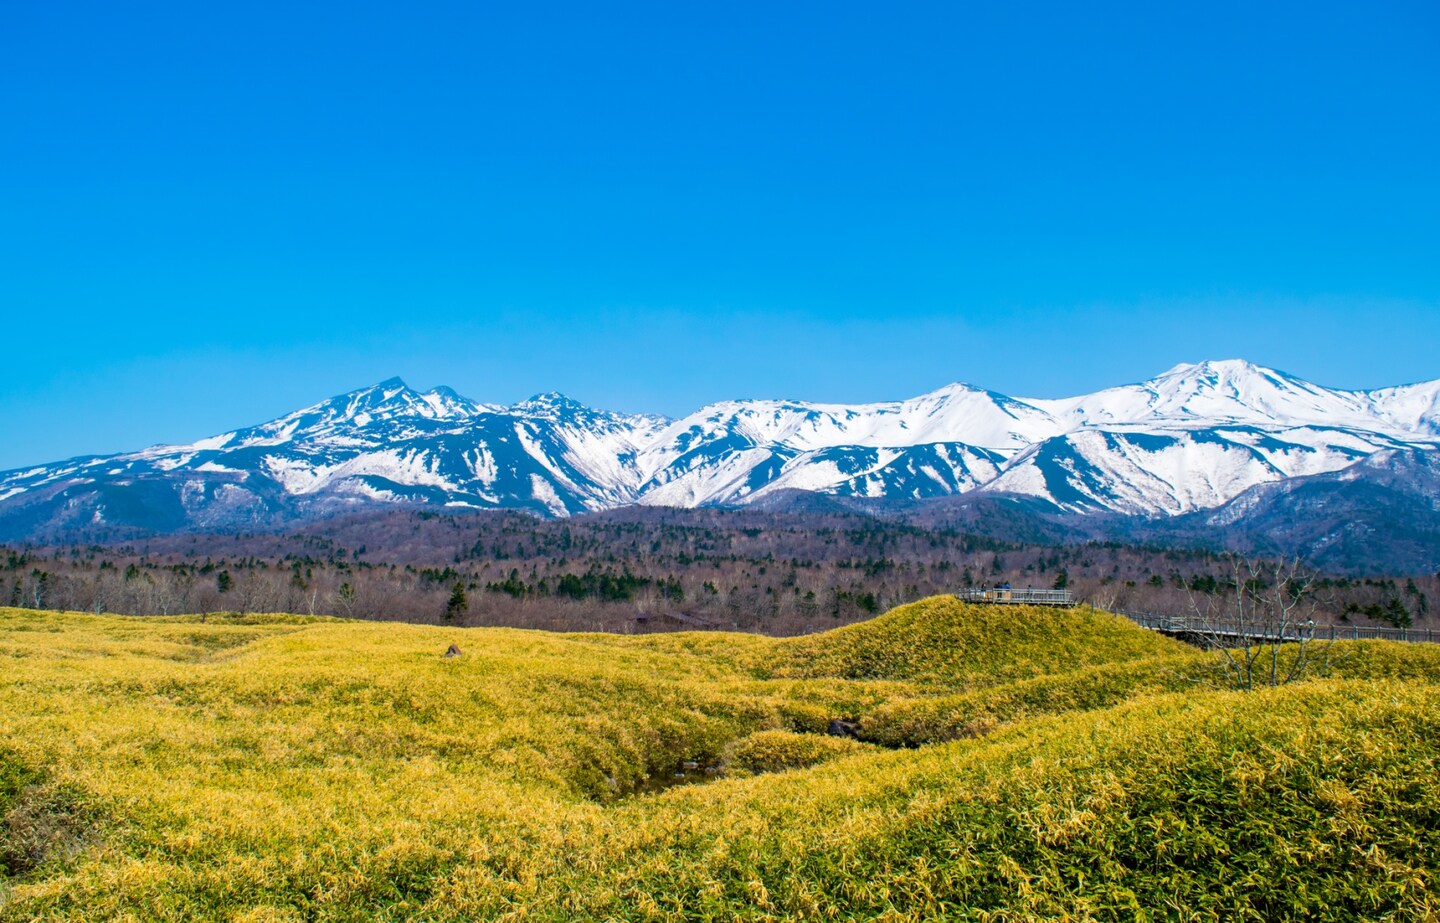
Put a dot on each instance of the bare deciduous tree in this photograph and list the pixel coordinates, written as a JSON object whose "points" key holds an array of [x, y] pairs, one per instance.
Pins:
{"points": [[1263, 624], [345, 596]]}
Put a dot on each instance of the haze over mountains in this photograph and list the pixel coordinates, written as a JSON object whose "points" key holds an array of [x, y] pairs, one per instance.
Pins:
{"points": [[1196, 438]]}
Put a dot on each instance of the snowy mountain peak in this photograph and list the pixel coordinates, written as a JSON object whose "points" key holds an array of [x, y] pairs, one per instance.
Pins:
{"points": [[448, 404], [1214, 368], [372, 395], [1230, 391], [1235, 377], [1241, 391], [551, 404], [548, 399], [961, 391], [390, 397], [955, 387], [1190, 438]]}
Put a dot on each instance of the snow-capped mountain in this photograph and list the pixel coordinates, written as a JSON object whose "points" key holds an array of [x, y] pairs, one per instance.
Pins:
{"points": [[1193, 438], [1380, 514], [1238, 392], [948, 441]]}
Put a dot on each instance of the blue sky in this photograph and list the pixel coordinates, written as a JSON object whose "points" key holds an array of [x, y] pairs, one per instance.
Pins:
{"points": [[211, 214]]}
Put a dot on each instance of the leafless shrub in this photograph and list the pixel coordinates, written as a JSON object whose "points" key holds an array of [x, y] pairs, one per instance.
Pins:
{"points": [[1263, 622]]}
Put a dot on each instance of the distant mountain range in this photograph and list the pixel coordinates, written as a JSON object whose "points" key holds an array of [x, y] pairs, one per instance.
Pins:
{"points": [[1226, 440]]}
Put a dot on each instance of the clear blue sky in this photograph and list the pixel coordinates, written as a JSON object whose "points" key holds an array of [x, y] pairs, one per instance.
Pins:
{"points": [[211, 214]]}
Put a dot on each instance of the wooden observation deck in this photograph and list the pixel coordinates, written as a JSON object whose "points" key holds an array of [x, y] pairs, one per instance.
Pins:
{"points": [[1005, 596]]}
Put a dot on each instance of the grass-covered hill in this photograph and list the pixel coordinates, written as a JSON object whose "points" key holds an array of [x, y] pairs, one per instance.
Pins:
{"points": [[1006, 765]]}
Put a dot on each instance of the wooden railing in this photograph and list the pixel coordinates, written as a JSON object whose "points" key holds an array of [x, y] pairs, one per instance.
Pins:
{"points": [[1196, 626], [1017, 597]]}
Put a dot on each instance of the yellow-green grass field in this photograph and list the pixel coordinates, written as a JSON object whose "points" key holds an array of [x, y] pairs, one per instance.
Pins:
{"points": [[1011, 764]]}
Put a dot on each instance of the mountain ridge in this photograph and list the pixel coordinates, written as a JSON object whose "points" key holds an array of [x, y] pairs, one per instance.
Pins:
{"points": [[1193, 438]]}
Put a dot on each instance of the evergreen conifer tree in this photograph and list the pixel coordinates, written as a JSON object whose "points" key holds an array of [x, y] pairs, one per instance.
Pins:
{"points": [[457, 604]]}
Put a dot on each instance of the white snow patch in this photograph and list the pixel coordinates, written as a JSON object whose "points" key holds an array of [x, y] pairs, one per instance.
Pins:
{"points": [[545, 493], [212, 466]]}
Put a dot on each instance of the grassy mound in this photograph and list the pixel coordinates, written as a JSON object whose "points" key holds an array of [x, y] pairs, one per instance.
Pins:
{"points": [[1306, 802], [777, 751], [1046, 764], [914, 722], [944, 642]]}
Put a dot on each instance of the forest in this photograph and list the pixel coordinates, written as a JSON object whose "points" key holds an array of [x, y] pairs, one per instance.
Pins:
{"points": [[638, 570]]}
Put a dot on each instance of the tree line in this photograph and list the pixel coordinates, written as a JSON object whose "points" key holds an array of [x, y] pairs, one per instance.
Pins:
{"points": [[644, 571]]}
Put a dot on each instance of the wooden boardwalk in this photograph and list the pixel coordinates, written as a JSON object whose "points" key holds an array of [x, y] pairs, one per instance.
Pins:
{"points": [[1207, 631], [1006, 596]]}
